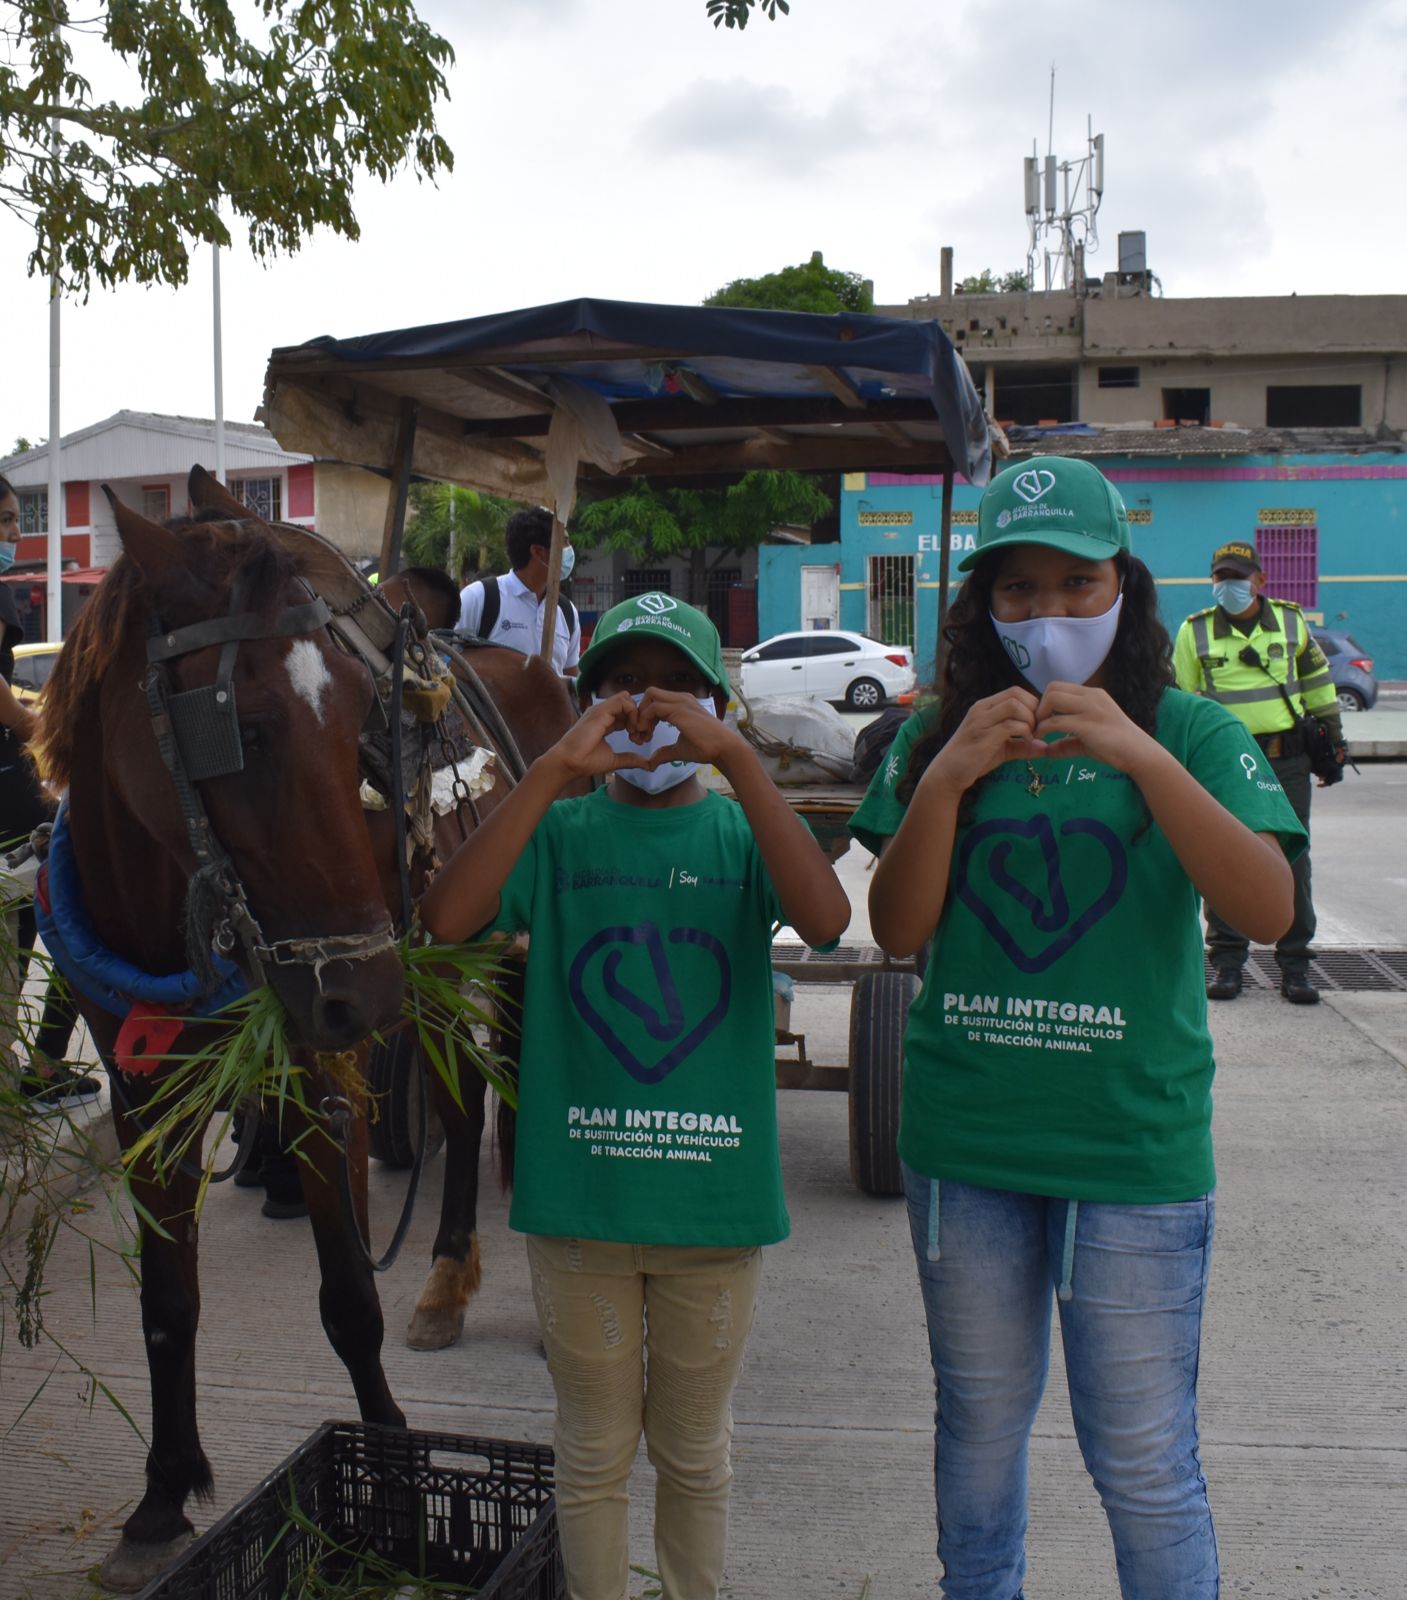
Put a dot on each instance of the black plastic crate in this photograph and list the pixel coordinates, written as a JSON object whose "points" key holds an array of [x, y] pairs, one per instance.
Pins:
{"points": [[461, 1510]]}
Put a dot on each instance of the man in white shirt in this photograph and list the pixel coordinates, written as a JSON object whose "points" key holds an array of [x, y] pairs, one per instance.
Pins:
{"points": [[508, 610]]}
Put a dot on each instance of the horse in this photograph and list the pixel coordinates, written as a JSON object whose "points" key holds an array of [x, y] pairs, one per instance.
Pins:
{"points": [[205, 725], [529, 709]]}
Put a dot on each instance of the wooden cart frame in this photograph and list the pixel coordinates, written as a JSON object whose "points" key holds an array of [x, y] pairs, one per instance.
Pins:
{"points": [[531, 404]]}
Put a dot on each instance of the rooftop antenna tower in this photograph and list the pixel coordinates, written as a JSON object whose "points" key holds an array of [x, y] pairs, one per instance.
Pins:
{"points": [[1062, 225]]}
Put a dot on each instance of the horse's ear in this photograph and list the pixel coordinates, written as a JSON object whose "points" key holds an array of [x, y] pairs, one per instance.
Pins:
{"points": [[207, 493], [151, 546]]}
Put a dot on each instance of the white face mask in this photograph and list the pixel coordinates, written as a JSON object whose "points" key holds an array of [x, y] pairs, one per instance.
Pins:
{"points": [[1050, 650], [669, 773], [568, 562], [1233, 595]]}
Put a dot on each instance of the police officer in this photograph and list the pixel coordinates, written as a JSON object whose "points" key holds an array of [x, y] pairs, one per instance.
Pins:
{"points": [[508, 610], [1249, 653]]}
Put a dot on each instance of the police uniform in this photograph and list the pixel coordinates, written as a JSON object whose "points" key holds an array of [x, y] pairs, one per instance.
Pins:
{"points": [[1212, 656]]}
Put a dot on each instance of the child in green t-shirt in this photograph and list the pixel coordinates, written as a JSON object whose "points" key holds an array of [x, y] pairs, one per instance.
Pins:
{"points": [[648, 1176]]}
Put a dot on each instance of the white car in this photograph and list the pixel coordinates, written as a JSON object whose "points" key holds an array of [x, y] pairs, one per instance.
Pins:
{"points": [[832, 664]]}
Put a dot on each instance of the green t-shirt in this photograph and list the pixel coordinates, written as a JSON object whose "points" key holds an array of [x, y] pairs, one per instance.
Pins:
{"points": [[648, 1106], [1059, 1043]]}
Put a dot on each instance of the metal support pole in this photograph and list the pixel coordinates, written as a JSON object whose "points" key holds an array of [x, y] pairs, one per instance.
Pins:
{"points": [[944, 553], [53, 587], [219, 370]]}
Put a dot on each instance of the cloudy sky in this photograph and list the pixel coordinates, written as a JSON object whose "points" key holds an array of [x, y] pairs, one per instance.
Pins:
{"points": [[624, 148]]}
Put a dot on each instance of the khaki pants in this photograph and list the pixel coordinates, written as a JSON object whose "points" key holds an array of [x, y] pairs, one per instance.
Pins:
{"points": [[602, 1307]]}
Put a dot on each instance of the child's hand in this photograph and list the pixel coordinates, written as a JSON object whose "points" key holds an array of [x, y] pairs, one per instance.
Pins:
{"points": [[1000, 728], [582, 752], [1092, 725], [702, 737]]}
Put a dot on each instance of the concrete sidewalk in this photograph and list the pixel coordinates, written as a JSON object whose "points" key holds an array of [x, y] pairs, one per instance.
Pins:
{"points": [[1379, 734], [1304, 1390]]}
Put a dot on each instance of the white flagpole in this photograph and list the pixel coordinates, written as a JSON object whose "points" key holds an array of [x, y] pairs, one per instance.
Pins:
{"points": [[54, 585], [219, 374]]}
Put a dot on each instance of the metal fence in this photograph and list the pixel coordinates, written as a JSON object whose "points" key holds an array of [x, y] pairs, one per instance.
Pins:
{"points": [[731, 604], [892, 611]]}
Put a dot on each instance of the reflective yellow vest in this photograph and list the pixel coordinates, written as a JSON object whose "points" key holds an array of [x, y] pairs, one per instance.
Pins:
{"points": [[1206, 659]]}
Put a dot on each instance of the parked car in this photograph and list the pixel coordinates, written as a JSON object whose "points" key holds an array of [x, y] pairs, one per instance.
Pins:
{"points": [[1351, 667], [834, 665], [33, 664]]}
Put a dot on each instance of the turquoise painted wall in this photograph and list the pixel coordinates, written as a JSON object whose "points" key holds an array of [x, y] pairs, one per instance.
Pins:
{"points": [[1181, 513]]}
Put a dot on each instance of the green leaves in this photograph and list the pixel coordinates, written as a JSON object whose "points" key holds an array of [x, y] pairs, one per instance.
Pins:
{"points": [[275, 124], [472, 522], [647, 521], [735, 13], [811, 287]]}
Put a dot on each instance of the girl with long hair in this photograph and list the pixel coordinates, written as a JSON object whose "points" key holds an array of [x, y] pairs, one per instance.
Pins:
{"points": [[1050, 824]]}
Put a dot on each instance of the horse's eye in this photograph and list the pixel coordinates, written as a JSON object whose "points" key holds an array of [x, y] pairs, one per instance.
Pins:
{"points": [[251, 737]]}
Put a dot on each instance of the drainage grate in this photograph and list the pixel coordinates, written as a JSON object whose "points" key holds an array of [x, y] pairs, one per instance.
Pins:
{"points": [[1346, 969], [1381, 970]]}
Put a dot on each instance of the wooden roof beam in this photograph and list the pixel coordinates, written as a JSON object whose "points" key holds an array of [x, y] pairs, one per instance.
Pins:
{"points": [[841, 385], [650, 446], [677, 413]]}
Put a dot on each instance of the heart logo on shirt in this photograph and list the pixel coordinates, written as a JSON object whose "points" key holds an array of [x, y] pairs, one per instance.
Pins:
{"points": [[1013, 875], [655, 1003]]}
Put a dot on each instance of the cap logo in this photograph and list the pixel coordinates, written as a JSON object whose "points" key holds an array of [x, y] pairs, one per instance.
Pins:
{"points": [[657, 604], [1034, 484]]}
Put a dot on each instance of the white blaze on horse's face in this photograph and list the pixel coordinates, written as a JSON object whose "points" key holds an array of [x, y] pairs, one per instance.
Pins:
{"points": [[308, 672]]}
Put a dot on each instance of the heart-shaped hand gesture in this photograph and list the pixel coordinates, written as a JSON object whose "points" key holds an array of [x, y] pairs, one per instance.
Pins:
{"points": [[1091, 725], [702, 737], [583, 750], [997, 729]]}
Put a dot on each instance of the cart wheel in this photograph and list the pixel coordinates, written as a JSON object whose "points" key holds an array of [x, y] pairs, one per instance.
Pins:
{"points": [[394, 1077], [879, 1011]]}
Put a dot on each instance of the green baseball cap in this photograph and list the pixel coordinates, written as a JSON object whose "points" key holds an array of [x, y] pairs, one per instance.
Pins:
{"points": [[1053, 500], [655, 616]]}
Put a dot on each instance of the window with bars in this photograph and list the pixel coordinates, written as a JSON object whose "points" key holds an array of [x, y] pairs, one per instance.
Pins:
{"points": [[892, 615], [156, 501], [1290, 560], [34, 510], [263, 496]]}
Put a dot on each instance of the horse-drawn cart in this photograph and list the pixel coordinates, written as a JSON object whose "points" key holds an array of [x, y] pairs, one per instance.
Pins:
{"points": [[584, 394]]}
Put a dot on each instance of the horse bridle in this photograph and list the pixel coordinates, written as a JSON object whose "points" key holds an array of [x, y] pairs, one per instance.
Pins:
{"points": [[197, 732]]}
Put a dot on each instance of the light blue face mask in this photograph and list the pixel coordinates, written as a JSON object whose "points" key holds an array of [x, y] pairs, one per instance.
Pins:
{"points": [[7, 557], [568, 562], [1233, 595]]}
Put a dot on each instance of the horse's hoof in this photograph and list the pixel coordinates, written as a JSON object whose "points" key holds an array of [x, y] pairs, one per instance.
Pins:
{"points": [[436, 1328], [131, 1566]]}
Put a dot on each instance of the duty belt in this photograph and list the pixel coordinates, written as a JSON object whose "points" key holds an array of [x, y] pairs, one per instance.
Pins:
{"points": [[1276, 745]]}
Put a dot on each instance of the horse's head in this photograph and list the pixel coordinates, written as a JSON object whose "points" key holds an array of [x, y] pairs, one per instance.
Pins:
{"points": [[256, 711]]}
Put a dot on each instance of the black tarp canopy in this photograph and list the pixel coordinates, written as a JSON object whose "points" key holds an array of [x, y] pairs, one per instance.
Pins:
{"points": [[672, 392]]}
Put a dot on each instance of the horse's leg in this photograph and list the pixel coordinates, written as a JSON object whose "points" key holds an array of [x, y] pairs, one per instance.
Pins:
{"points": [[158, 1529], [454, 1274], [351, 1309]]}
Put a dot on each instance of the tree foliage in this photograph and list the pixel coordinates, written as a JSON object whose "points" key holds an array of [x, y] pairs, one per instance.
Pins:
{"points": [[475, 521], [812, 287], [987, 282], [647, 522], [736, 13], [274, 119]]}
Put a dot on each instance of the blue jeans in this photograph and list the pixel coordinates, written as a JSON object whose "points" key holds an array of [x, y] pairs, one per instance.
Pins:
{"points": [[1130, 1281]]}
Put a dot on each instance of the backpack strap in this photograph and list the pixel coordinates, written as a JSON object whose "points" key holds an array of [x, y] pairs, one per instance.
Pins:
{"points": [[488, 619], [568, 611]]}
